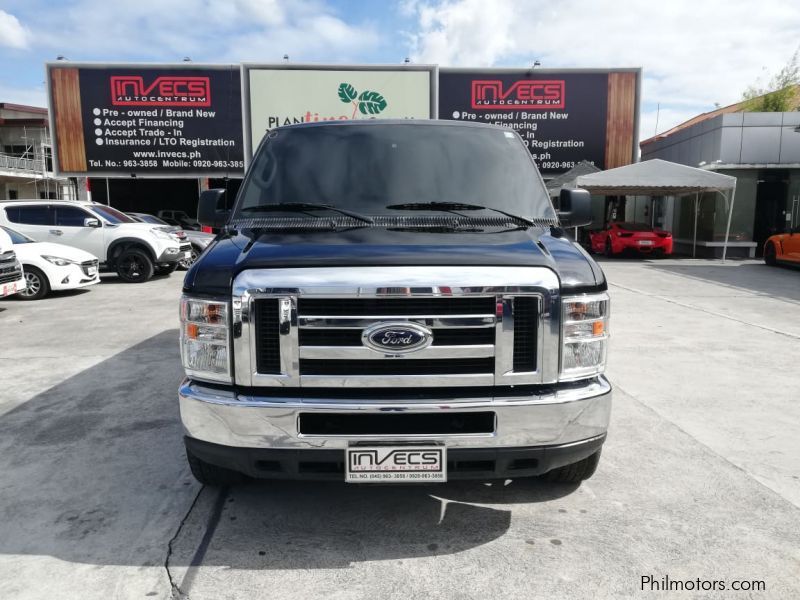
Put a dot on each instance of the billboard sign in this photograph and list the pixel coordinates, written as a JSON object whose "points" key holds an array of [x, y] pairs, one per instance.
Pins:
{"points": [[564, 117], [277, 95], [159, 121]]}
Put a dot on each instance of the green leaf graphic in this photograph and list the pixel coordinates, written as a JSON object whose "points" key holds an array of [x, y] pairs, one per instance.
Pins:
{"points": [[371, 103], [347, 93]]}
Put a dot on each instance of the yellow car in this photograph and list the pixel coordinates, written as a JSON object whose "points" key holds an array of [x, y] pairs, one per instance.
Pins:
{"points": [[783, 248]]}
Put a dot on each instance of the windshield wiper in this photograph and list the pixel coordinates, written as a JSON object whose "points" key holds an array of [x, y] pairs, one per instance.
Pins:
{"points": [[304, 207], [453, 206]]}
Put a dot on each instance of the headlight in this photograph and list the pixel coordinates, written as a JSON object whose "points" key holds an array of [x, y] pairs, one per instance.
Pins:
{"points": [[205, 348], [58, 261], [584, 335]]}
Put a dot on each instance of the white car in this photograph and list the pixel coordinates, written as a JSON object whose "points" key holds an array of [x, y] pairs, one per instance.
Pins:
{"points": [[11, 278], [49, 267], [136, 251]]}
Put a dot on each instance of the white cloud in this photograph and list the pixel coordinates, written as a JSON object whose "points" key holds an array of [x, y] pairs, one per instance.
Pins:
{"points": [[12, 32], [205, 30], [693, 53]]}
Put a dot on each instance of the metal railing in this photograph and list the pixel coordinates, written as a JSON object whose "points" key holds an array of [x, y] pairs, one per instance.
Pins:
{"points": [[16, 163]]}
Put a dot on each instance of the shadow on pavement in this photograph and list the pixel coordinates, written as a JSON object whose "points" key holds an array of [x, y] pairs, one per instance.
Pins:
{"points": [[93, 471], [309, 525]]}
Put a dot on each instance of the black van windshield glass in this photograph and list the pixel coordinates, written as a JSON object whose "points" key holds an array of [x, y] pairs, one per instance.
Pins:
{"points": [[367, 168]]}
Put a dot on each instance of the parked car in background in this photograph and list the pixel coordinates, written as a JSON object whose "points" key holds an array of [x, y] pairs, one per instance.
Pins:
{"points": [[180, 218], [783, 248], [50, 267], [134, 250], [12, 280], [630, 237], [198, 239]]}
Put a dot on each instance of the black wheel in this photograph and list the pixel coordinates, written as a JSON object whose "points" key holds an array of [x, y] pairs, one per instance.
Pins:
{"points": [[188, 262], [212, 475], [134, 266], [576, 472], [166, 269], [770, 254], [609, 249], [37, 285]]}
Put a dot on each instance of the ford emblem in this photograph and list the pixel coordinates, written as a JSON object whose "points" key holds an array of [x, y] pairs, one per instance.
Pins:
{"points": [[397, 338]]}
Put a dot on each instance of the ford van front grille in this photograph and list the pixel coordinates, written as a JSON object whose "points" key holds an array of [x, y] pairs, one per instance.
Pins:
{"points": [[407, 333]]}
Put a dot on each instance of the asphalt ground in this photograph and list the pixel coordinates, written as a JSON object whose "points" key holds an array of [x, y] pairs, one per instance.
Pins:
{"points": [[699, 480]]}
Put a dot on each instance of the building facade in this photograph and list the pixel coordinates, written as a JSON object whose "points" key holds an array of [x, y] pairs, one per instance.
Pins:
{"points": [[26, 163], [762, 150]]}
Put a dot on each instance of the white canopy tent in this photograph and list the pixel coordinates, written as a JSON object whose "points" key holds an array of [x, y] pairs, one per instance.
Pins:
{"points": [[658, 177]]}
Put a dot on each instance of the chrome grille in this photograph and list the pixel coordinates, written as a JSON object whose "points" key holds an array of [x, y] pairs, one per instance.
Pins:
{"points": [[88, 264], [303, 327], [344, 319], [10, 269]]}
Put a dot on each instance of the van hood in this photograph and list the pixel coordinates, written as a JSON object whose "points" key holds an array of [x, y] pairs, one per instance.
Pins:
{"points": [[237, 251]]}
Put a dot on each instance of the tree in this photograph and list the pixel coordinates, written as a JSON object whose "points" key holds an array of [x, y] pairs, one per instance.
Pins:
{"points": [[777, 96]]}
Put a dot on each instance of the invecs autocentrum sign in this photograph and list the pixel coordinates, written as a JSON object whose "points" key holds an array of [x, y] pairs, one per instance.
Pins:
{"points": [[134, 90], [526, 93]]}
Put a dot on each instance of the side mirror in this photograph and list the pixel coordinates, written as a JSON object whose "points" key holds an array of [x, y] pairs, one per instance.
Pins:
{"points": [[208, 211], [575, 208], [91, 222]]}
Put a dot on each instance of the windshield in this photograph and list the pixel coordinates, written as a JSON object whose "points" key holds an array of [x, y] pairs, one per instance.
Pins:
{"points": [[17, 237], [112, 215], [366, 168]]}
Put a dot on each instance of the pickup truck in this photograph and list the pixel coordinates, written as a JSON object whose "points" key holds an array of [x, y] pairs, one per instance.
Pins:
{"points": [[393, 302]]}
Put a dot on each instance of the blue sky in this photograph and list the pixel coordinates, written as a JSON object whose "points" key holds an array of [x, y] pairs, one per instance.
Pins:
{"points": [[694, 54]]}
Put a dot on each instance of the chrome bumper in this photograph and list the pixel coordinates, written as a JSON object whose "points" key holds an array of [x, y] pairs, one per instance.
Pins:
{"points": [[551, 416], [183, 251]]}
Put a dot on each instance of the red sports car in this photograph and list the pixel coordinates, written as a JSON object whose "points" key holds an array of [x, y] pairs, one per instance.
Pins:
{"points": [[620, 237]]}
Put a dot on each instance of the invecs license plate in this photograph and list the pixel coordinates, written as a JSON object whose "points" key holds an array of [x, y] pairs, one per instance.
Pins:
{"points": [[395, 464], [645, 242], [91, 271]]}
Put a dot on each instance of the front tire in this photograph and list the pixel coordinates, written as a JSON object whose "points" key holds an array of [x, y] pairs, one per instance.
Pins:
{"points": [[212, 475], [134, 266], [37, 286], [576, 472], [186, 263], [770, 254]]}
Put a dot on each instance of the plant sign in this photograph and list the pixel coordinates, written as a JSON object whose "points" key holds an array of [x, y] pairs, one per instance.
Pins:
{"points": [[369, 103]]}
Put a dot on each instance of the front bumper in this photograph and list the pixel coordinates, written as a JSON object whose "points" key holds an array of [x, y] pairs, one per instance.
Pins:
{"points": [[8, 288], [239, 430], [180, 253], [73, 276]]}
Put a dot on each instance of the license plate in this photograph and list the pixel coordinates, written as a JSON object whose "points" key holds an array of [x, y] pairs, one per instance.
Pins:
{"points": [[645, 243], [9, 288], [91, 271], [187, 254], [395, 464]]}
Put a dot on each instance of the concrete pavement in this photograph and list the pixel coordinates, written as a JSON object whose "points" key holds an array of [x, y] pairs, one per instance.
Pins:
{"points": [[699, 477]]}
